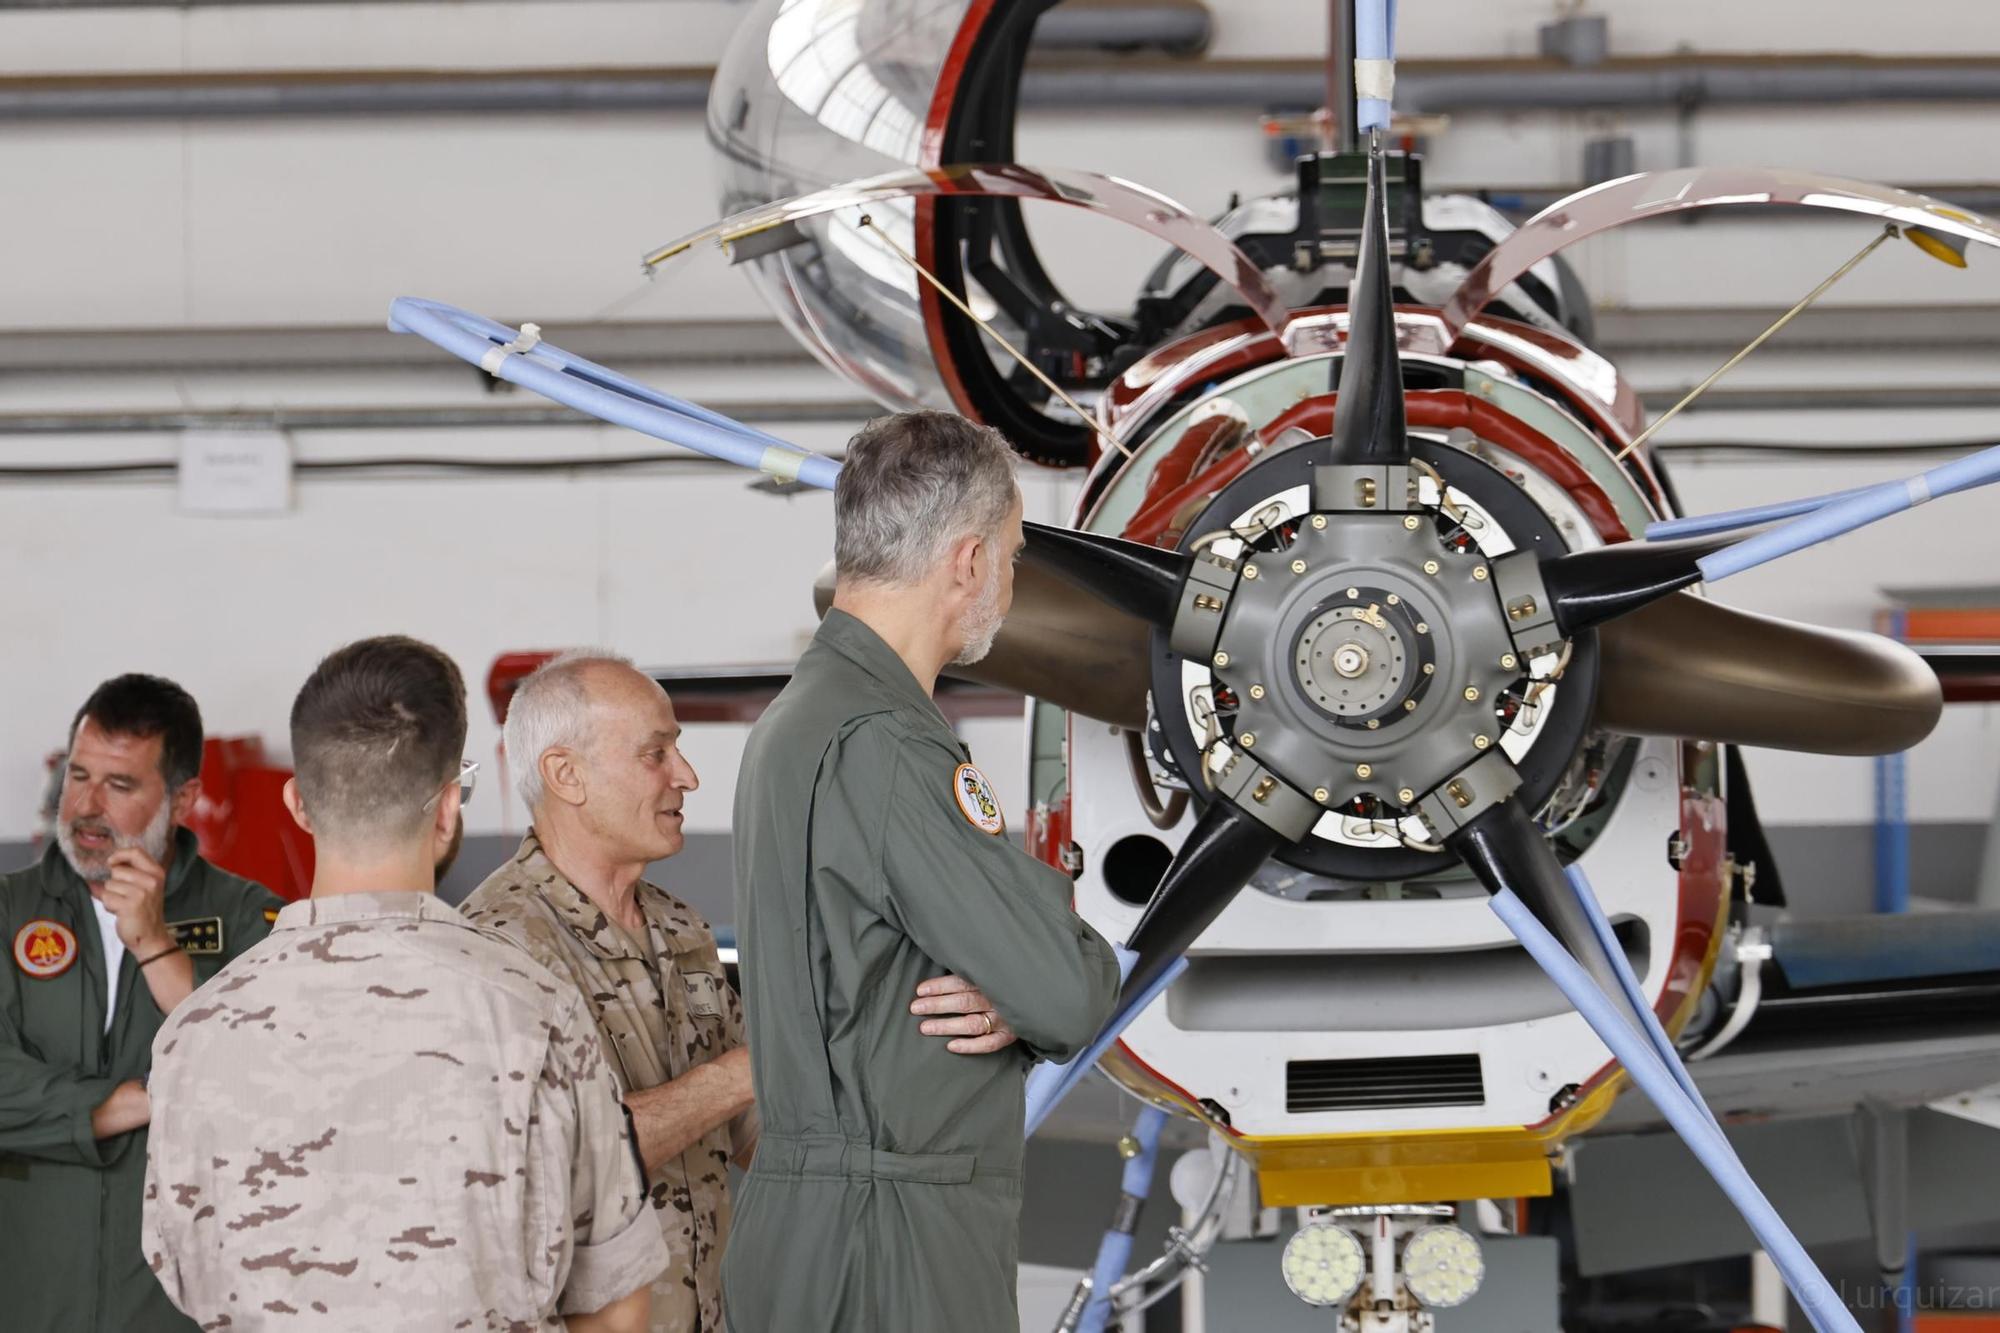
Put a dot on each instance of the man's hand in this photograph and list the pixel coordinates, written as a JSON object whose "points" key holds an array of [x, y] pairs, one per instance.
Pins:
{"points": [[136, 893], [673, 1116], [971, 1021], [126, 1109]]}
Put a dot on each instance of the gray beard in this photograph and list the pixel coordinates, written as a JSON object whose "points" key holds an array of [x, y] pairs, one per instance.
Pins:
{"points": [[153, 842], [980, 623]]}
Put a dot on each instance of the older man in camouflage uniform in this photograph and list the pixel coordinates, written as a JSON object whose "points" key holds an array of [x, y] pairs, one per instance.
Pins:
{"points": [[602, 773], [384, 1116]]}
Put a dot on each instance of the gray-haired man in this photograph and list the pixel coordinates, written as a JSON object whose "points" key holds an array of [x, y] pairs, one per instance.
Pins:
{"points": [[597, 747], [870, 856]]}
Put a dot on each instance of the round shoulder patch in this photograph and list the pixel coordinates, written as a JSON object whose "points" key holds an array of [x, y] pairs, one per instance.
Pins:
{"points": [[44, 948], [976, 800]]}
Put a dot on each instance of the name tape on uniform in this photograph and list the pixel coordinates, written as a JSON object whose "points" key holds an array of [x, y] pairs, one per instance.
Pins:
{"points": [[44, 949], [976, 800], [201, 934]]}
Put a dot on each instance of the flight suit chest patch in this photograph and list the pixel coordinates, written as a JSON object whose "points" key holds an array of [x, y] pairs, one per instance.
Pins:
{"points": [[44, 949], [704, 994], [200, 934], [976, 800]]}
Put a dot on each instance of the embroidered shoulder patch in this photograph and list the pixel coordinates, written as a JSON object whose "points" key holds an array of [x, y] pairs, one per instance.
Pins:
{"points": [[44, 948], [976, 800]]}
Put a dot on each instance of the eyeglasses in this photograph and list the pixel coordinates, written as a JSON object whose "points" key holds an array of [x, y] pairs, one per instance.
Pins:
{"points": [[468, 770]]}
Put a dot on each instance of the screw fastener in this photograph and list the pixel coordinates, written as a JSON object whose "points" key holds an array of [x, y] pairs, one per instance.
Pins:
{"points": [[1320, 794], [1410, 522], [1430, 566], [1249, 739], [1481, 742], [1249, 571], [1406, 796], [1472, 694], [1256, 691], [1364, 771], [1479, 572], [1319, 520], [1298, 566], [1222, 659], [1508, 662]]}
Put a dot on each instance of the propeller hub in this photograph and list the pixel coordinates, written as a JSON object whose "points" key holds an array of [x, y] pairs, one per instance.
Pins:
{"points": [[1369, 654], [1357, 659]]}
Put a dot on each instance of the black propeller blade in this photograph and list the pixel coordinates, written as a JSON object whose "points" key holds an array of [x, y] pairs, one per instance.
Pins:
{"points": [[1505, 850], [1587, 588], [1368, 424], [1143, 581], [1221, 853]]}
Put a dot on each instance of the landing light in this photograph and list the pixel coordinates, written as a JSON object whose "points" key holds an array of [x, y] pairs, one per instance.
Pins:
{"points": [[1443, 1266], [1324, 1264]]}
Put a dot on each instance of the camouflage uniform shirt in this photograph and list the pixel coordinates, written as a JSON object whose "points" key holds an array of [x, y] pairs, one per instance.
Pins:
{"points": [[662, 1009], [385, 1117]]}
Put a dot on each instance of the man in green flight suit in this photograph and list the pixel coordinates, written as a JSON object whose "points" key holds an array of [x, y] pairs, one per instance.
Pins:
{"points": [[871, 857], [117, 923]]}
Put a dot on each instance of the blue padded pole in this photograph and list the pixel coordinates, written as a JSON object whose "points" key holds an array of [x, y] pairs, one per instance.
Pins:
{"points": [[1854, 510], [1729, 520], [1635, 997], [607, 395], [1049, 1084], [1808, 1285], [1114, 1252], [1374, 62]]}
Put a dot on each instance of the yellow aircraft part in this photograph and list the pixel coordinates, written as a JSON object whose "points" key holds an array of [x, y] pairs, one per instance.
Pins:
{"points": [[1418, 1166], [1415, 1166]]}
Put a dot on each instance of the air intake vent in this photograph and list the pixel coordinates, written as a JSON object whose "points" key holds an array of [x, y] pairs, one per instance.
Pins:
{"points": [[1366, 1085]]}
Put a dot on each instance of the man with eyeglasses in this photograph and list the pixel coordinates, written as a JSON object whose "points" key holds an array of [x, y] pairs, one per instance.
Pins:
{"points": [[108, 932], [385, 1116]]}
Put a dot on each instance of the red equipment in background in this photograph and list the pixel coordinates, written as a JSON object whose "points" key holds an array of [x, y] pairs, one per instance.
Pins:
{"points": [[241, 820]]}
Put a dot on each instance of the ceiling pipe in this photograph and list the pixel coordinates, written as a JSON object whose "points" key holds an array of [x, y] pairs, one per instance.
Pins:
{"points": [[1520, 86]]}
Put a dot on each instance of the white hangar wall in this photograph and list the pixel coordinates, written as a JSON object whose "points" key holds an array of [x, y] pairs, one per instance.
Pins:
{"points": [[172, 228]]}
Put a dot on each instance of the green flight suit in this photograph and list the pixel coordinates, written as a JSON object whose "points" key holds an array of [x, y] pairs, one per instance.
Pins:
{"points": [[69, 1203], [885, 1196]]}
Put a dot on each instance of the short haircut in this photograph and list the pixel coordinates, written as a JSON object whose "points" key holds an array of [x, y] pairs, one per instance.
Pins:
{"points": [[914, 484], [550, 708], [376, 730], [148, 706]]}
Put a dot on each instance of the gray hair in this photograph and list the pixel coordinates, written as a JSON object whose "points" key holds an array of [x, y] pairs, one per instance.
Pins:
{"points": [[912, 485], [550, 708]]}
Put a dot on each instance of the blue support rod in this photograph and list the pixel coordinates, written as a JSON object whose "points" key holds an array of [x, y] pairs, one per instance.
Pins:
{"points": [[1843, 512], [605, 394], [1374, 62], [1635, 997], [1808, 1285], [1048, 1084], [1114, 1252]]}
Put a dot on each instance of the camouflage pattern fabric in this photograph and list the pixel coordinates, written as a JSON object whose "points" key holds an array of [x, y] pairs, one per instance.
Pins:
{"points": [[661, 1009], [385, 1117]]}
